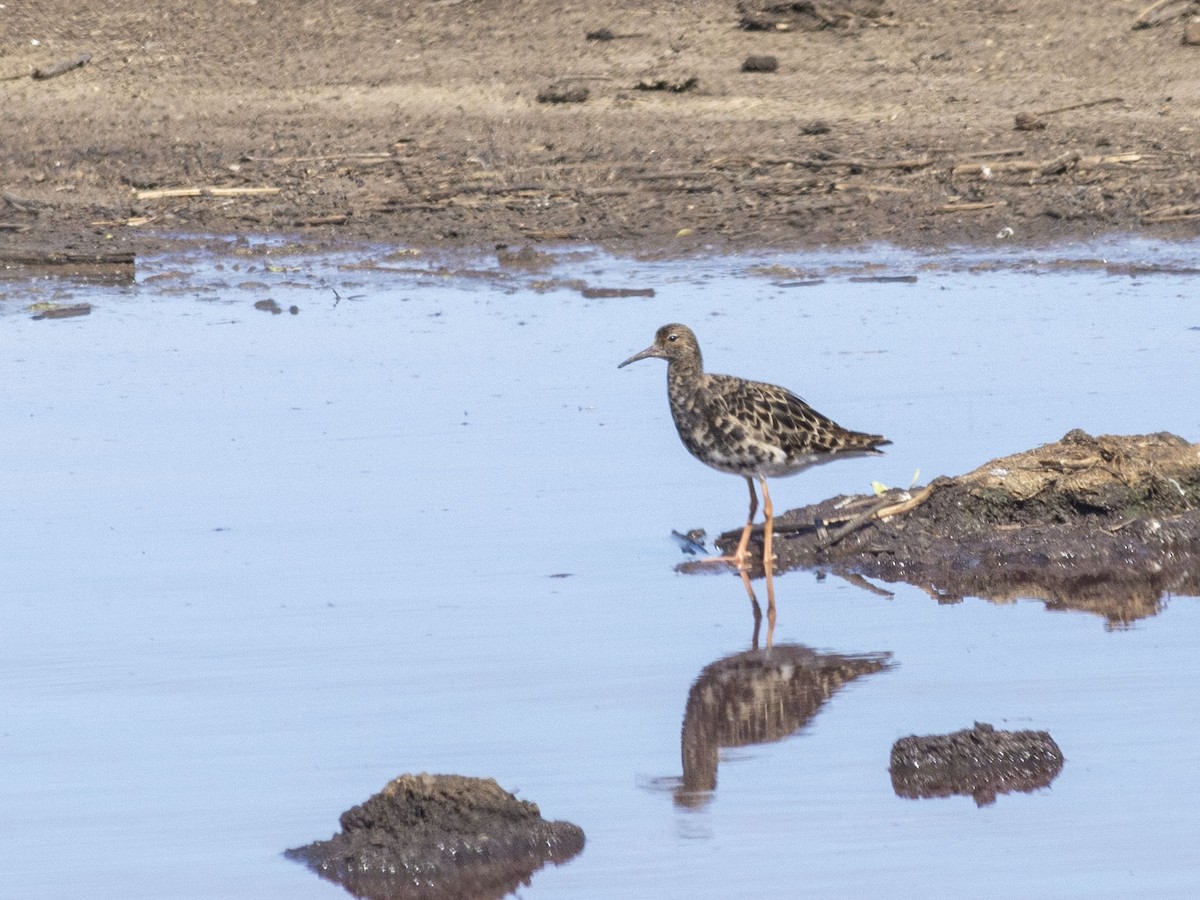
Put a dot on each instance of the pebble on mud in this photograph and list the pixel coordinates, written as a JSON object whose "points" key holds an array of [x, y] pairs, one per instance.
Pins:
{"points": [[440, 836], [979, 762], [562, 92], [760, 64], [1026, 121], [672, 84]]}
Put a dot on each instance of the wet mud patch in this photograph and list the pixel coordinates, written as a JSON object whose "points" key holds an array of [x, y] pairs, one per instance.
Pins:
{"points": [[440, 836], [978, 762], [1108, 524]]}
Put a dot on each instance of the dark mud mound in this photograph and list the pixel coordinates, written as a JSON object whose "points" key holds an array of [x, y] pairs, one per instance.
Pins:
{"points": [[757, 697], [978, 762], [1107, 524], [440, 836]]}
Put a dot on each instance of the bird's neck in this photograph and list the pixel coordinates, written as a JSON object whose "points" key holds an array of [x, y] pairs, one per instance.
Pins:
{"points": [[683, 376]]}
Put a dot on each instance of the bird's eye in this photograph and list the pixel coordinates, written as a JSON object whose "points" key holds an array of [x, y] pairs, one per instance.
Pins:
{"points": [[672, 337]]}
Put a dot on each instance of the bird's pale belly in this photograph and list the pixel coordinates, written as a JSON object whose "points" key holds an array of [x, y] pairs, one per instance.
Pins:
{"points": [[740, 456], [760, 465]]}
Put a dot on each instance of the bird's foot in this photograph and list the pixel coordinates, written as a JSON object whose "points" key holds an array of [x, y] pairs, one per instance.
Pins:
{"points": [[735, 561]]}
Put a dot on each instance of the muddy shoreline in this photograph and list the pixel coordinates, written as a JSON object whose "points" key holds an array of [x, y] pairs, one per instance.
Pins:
{"points": [[1104, 524], [420, 125]]}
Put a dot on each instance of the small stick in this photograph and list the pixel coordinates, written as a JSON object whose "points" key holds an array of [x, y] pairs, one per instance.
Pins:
{"points": [[1024, 165], [240, 192], [172, 193], [65, 258], [1051, 112], [132, 222], [905, 505], [543, 235], [1162, 220], [1144, 15], [168, 193], [58, 68], [1186, 210], [336, 219], [1010, 151], [880, 511], [18, 203], [970, 207], [919, 163], [284, 160], [878, 188], [1088, 161]]}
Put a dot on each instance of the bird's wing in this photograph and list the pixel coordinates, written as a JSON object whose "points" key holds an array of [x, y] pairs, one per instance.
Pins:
{"points": [[776, 416]]}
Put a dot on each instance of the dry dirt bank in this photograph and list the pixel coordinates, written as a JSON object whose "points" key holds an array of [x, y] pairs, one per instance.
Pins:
{"points": [[419, 123]]}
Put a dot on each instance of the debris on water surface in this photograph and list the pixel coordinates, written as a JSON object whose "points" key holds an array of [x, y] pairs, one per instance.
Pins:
{"points": [[691, 543]]}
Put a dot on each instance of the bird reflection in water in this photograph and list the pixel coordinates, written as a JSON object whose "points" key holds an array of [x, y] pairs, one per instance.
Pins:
{"points": [[757, 697]]}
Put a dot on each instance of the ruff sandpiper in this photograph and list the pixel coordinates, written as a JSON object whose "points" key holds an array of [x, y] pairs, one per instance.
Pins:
{"points": [[747, 428]]}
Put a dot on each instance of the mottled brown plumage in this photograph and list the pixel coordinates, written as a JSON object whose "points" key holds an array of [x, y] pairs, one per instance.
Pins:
{"points": [[748, 428]]}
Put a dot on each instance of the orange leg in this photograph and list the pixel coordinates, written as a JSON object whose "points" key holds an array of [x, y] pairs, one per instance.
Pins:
{"points": [[768, 555], [738, 558], [755, 609]]}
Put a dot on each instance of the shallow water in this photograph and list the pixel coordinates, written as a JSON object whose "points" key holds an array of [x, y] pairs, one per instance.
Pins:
{"points": [[257, 565]]}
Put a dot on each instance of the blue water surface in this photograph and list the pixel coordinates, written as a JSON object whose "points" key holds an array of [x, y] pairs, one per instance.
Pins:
{"points": [[257, 565]]}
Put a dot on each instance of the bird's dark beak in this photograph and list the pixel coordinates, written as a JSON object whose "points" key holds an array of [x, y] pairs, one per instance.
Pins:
{"points": [[651, 351]]}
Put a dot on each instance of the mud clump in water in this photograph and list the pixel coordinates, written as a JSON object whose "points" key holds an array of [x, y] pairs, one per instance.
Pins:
{"points": [[1107, 524], [440, 836], [979, 762]]}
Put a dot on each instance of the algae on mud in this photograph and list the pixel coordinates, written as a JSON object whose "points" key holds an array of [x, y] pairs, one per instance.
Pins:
{"points": [[1107, 524]]}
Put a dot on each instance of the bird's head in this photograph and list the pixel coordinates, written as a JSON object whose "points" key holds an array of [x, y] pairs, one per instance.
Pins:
{"points": [[674, 343]]}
